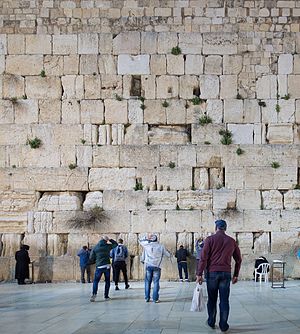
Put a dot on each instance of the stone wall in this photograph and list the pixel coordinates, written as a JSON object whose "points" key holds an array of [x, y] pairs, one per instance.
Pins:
{"points": [[119, 105]]}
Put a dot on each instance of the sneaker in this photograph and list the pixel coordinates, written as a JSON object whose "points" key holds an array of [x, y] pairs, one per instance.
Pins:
{"points": [[208, 326], [117, 288], [186, 280], [181, 280], [157, 301], [127, 286], [107, 298], [147, 300], [93, 298]]}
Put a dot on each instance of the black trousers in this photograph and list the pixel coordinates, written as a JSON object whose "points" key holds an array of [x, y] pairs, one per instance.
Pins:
{"points": [[117, 268]]}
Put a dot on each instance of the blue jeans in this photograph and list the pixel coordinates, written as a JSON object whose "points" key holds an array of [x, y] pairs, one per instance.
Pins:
{"points": [[98, 275], [152, 273], [182, 265], [218, 282]]}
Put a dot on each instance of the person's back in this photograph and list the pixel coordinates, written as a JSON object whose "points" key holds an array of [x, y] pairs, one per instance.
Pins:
{"points": [[119, 255], [154, 253], [181, 254], [100, 253]]}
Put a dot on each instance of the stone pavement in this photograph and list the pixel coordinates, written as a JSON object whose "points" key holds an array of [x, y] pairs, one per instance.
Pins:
{"points": [[65, 308]]}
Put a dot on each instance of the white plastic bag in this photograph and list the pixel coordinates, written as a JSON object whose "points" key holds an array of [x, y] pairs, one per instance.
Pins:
{"points": [[198, 303]]}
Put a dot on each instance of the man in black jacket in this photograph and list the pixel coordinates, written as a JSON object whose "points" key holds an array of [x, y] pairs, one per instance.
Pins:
{"points": [[22, 264], [181, 255]]}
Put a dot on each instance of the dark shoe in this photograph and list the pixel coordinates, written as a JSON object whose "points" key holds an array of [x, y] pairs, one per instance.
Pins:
{"points": [[127, 286], [93, 298], [107, 298], [147, 300], [157, 301], [117, 288], [209, 326]]}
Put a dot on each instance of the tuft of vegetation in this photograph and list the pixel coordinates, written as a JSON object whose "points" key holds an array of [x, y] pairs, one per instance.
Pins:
{"points": [[193, 187], [72, 166], [277, 108], [172, 164], [87, 219], [142, 99], [148, 203], [219, 186], [226, 137], [239, 96], [196, 100], [24, 97], [34, 143], [176, 50], [143, 107], [204, 119], [239, 151], [13, 99], [83, 141], [262, 104], [138, 186], [207, 142], [14, 166], [275, 164], [297, 187], [118, 97], [191, 208], [165, 104], [286, 97], [43, 74], [94, 73]]}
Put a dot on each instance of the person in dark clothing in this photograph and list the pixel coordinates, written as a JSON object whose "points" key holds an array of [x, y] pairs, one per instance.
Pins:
{"points": [[119, 255], [22, 264], [259, 261], [100, 256], [181, 255], [216, 259], [84, 255]]}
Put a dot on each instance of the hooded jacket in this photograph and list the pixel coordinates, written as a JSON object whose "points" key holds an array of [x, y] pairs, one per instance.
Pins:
{"points": [[153, 252], [100, 253]]}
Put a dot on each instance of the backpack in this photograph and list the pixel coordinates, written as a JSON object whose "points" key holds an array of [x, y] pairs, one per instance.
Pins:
{"points": [[119, 253]]}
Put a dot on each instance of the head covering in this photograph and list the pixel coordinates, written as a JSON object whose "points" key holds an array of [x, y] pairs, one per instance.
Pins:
{"points": [[221, 224], [25, 247], [153, 238]]}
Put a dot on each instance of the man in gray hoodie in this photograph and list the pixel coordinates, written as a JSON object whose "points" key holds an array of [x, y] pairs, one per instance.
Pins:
{"points": [[153, 255], [100, 256]]}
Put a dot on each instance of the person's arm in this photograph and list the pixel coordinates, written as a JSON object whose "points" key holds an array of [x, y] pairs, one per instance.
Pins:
{"points": [[80, 252], [166, 252], [92, 258], [113, 243], [238, 260], [125, 252], [176, 254], [143, 241]]}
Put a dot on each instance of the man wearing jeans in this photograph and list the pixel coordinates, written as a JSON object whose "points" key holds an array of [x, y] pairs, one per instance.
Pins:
{"points": [[100, 255], [216, 259], [153, 255]]}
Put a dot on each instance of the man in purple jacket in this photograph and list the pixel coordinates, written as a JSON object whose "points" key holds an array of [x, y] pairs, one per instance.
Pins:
{"points": [[216, 259]]}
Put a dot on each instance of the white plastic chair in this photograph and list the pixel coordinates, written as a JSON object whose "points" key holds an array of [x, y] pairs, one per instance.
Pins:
{"points": [[263, 274]]}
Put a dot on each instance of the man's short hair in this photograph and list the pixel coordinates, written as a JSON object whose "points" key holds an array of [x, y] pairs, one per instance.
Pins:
{"points": [[120, 241], [221, 224], [84, 247]]}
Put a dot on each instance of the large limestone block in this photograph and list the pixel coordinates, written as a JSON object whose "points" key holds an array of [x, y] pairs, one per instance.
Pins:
{"points": [[105, 43], [54, 65], [6, 265], [115, 111], [167, 154], [41, 88], [252, 112], [266, 87], [208, 156], [73, 86], [224, 199], [38, 244], [292, 199], [228, 86], [242, 133], [40, 222], [183, 221], [64, 44], [148, 85], [26, 112], [6, 112], [24, 64], [12, 86], [114, 200], [148, 221], [272, 200], [17, 200], [11, 134], [221, 43], [92, 87], [287, 111], [209, 86], [178, 178], [84, 156], [248, 200], [88, 64], [293, 84], [112, 178], [148, 42], [75, 243], [128, 42], [176, 112], [13, 222], [111, 86], [158, 64], [15, 44], [214, 109], [91, 111], [207, 133], [11, 243], [201, 178], [88, 43], [189, 200], [71, 64], [190, 43], [186, 156], [75, 134], [175, 65], [136, 200], [232, 64], [3, 44], [213, 65], [167, 87], [38, 44], [137, 156], [135, 113], [187, 84], [147, 177], [194, 64], [128, 64], [284, 242], [285, 64], [166, 41], [154, 113], [168, 135], [93, 199], [70, 112], [107, 64], [106, 156], [280, 134], [233, 111], [162, 200]]}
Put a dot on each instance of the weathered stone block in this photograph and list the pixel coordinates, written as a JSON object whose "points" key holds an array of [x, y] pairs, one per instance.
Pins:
{"points": [[201, 200], [15, 44], [209, 86], [136, 134], [92, 87], [115, 111], [168, 135], [91, 111], [26, 112], [252, 112], [148, 221], [88, 64], [11, 244], [11, 134], [293, 84], [232, 64], [213, 65], [190, 43], [111, 86], [285, 64], [242, 133], [221, 43], [201, 178], [84, 156], [70, 112], [64, 44], [38, 244], [176, 112], [38, 44], [107, 64], [266, 87], [224, 199], [186, 156], [72, 87], [292, 200], [233, 111], [54, 65], [128, 64], [127, 43], [112, 178], [280, 134], [167, 87], [162, 200], [24, 64], [154, 113], [71, 64], [12, 86], [147, 177], [148, 42], [135, 113], [137, 156], [194, 64], [248, 200], [272, 200], [158, 64], [13, 222], [93, 199], [105, 43], [175, 65], [178, 178], [88, 43], [39, 88], [188, 84], [208, 133], [183, 221], [166, 41]]}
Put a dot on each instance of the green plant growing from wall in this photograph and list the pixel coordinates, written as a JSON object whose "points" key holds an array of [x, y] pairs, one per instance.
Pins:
{"points": [[148, 203], [13, 99], [275, 165], [239, 96], [297, 187], [172, 164], [219, 186], [24, 97], [138, 186], [207, 142], [118, 97], [87, 219], [83, 141], [142, 99], [239, 151], [176, 50], [286, 97], [204, 119], [226, 137], [34, 143], [177, 207], [72, 166], [43, 74], [262, 104], [277, 108], [143, 107], [165, 104], [197, 100]]}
